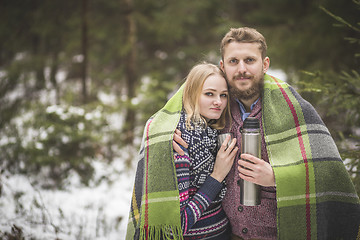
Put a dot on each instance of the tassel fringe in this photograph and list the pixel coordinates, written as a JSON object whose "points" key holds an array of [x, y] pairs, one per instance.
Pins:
{"points": [[161, 232]]}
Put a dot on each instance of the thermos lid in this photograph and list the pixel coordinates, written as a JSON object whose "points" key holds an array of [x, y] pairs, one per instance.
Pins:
{"points": [[251, 123]]}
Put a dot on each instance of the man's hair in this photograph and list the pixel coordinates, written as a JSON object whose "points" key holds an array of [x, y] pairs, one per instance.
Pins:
{"points": [[192, 91], [244, 35]]}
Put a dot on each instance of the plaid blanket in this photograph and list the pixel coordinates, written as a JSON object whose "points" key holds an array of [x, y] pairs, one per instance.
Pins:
{"points": [[155, 205], [315, 196]]}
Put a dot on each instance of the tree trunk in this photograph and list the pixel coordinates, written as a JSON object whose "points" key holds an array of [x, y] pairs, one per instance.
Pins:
{"points": [[84, 50], [53, 71], [131, 76]]}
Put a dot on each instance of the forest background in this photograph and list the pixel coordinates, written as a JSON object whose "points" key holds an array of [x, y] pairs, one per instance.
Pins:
{"points": [[78, 79]]}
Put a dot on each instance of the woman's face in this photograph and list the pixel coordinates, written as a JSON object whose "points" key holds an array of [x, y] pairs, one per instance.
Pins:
{"points": [[213, 98]]}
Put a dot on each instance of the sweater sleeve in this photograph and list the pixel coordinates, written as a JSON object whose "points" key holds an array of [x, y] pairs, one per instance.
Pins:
{"points": [[193, 201]]}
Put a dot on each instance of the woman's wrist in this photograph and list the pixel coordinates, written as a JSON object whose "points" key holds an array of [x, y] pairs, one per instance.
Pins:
{"points": [[217, 177]]}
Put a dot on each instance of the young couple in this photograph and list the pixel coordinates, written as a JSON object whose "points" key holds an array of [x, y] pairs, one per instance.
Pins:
{"points": [[180, 192]]}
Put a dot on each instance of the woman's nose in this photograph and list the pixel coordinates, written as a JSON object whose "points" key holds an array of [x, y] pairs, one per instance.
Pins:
{"points": [[218, 101]]}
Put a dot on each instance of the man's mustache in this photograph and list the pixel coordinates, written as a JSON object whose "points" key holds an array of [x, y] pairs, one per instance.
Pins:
{"points": [[240, 75]]}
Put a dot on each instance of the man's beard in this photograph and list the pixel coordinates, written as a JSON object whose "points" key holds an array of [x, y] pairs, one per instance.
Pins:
{"points": [[255, 90]]}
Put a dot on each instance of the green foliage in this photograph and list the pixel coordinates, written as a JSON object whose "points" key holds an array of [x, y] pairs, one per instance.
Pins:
{"points": [[153, 95], [53, 142], [300, 35], [340, 94]]}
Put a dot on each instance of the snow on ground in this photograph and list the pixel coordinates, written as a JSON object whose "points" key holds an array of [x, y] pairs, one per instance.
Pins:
{"points": [[78, 212], [277, 73]]}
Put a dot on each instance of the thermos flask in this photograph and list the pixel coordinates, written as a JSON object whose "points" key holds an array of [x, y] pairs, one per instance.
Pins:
{"points": [[250, 144]]}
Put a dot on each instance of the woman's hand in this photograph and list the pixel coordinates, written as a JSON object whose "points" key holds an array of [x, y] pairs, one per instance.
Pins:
{"points": [[224, 159], [178, 140], [256, 170]]}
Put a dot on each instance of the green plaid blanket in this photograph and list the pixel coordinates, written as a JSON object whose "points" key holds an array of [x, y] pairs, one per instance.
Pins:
{"points": [[315, 196], [155, 206]]}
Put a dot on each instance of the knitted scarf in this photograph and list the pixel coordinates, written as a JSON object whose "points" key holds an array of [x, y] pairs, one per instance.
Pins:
{"points": [[315, 196], [202, 150]]}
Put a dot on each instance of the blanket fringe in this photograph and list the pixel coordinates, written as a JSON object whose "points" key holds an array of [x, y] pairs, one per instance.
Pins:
{"points": [[161, 232]]}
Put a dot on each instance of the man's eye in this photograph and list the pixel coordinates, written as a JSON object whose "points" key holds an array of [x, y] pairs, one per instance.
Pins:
{"points": [[250, 60], [233, 61]]}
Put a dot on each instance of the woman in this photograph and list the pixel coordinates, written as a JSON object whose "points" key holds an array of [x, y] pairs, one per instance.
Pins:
{"points": [[181, 198]]}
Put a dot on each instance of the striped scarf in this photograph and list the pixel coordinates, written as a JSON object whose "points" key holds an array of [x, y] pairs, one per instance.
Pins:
{"points": [[315, 196]]}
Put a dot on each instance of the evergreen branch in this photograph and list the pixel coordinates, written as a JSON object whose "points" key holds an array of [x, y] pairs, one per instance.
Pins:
{"points": [[340, 19]]}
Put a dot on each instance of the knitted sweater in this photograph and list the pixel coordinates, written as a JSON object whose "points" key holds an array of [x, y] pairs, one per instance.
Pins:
{"points": [[249, 222], [202, 216]]}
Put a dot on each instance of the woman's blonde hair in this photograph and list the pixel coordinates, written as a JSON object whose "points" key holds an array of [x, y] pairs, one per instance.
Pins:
{"points": [[192, 91]]}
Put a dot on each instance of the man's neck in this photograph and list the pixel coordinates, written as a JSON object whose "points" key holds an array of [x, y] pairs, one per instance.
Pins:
{"points": [[248, 102]]}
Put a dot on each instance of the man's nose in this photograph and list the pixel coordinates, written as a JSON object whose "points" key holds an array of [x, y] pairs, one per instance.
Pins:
{"points": [[241, 67]]}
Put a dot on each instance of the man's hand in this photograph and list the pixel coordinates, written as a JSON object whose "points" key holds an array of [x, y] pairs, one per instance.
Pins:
{"points": [[178, 140], [256, 171]]}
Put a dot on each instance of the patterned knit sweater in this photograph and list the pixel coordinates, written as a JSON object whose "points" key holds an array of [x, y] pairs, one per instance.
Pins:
{"points": [[202, 216], [249, 222]]}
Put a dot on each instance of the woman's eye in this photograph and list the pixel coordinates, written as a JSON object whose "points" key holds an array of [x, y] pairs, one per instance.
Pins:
{"points": [[223, 95], [208, 93]]}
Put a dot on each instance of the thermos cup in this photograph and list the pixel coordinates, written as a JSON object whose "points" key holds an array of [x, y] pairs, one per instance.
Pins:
{"points": [[250, 144], [221, 139]]}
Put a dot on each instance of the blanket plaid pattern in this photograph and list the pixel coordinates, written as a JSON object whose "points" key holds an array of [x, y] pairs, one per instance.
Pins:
{"points": [[155, 205], [315, 196]]}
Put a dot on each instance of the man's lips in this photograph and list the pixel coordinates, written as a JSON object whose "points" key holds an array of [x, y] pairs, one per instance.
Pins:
{"points": [[242, 78]]}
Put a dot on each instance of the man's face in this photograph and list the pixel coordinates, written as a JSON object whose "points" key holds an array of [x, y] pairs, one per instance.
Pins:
{"points": [[245, 69]]}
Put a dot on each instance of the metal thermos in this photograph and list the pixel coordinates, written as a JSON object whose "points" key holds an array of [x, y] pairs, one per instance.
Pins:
{"points": [[250, 144]]}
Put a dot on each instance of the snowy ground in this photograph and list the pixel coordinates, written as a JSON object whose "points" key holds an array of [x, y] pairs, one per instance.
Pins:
{"points": [[95, 212]]}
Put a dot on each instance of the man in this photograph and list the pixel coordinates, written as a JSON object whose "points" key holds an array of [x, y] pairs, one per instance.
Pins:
{"points": [[306, 192], [245, 62]]}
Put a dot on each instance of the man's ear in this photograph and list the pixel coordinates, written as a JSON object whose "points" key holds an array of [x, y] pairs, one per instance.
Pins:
{"points": [[266, 64], [222, 65]]}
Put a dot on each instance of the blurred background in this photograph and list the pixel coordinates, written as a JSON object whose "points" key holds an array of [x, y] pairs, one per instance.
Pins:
{"points": [[78, 79]]}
